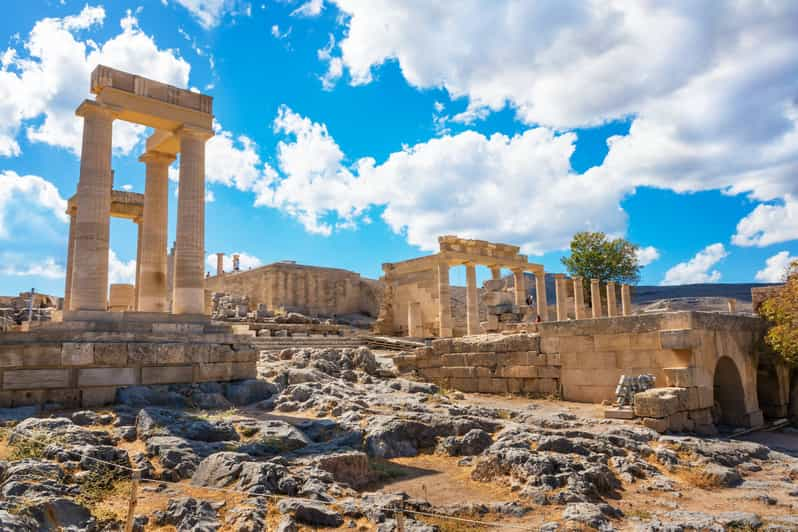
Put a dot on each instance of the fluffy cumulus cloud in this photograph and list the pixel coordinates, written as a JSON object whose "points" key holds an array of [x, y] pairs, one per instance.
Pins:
{"points": [[775, 270], [769, 224], [245, 261], [121, 271], [647, 255], [697, 269], [20, 265], [38, 78], [711, 93], [517, 189], [209, 13], [29, 204]]}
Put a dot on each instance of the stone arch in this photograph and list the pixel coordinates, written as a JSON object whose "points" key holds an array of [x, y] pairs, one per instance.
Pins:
{"points": [[729, 394]]}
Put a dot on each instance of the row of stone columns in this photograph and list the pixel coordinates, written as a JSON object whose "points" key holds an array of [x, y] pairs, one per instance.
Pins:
{"points": [[561, 290], [88, 257], [472, 296]]}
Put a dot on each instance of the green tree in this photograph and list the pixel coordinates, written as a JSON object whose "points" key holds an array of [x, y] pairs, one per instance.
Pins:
{"points": [[594, 256], [782, 312]]}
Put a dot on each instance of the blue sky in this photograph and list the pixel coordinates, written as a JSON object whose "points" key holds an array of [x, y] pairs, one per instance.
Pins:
{"points": [[354, 133]]}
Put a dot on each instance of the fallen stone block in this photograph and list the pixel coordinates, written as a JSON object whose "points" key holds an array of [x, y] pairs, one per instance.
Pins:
{"points": [[660, 402]]}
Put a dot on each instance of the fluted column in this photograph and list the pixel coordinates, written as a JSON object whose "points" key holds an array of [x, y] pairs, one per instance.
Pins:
{"points": [[540, 293], [220, 264], [152, 279], [595, 297], [189, 261], [90, 269], [472, 300], [519, 287], [561, 295], [69, 260], [579, 299], [626, 300], [612, 300], [137, 284], [495, 273], [444, 301]]}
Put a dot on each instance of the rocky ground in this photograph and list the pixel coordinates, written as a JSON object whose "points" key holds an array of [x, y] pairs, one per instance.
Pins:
{"points": [[331, 439]]}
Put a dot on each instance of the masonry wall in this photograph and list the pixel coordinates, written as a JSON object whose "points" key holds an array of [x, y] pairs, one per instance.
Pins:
{"points": [[488, 364], [87, 368], [310, 290]]}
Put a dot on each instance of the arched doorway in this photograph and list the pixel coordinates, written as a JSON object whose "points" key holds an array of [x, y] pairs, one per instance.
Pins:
{"points": [[729, 395], [768, 390]]}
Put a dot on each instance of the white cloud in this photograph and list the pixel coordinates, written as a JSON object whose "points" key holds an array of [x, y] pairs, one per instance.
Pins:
{"points": [[49, 78], [769, 224], [335, 66], [696, 270], [210, 197], [311, 8], [208, 13], [775, 270], [231, 160], [710, 93], [127, 187], [510, 189], [647, 255], [28, 202], [19, 265], [245, 260], [120, 271]]}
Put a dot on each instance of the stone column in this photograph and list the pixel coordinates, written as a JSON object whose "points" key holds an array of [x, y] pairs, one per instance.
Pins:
{"points": [[732, 304], [626, 300], [236, 262], [152, 294], [69, 260], [472, 300], [612, 300], [220, 264], [579, 299], [444, 301], [562, 297], [90, 269], [415, 328], [595, 297], [519, 287], [495, 273], [137, 283], [189, 260], [540, 293]]}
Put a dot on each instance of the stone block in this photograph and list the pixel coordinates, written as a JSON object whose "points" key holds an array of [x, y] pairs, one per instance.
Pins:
{"points": [[443, 346], [100, 396], [198, 353], [678, 422], [549, 344], [458, 372], [243, 370], [431, 373], [221, 353], [619, 412], [520, 372], [644, 340], [110, 354], [225, 371], [77, 354], [681, 377], [660, 402], [514, 385], [634, 359], [11, 356], [108, 377], [611, 342], [658, 424], [700, 397], [171, 354], [491, 385], [483, 372], [702, 416], [453, 359], [244, 354], [549, 372], [66, 397], [29, 397], [167, 374], [37, 355], [464, 385], [480, 359], [577, 344], [178, 328], [141, 354], [21, 379], [680, 339], [553, 359], [548, 386]]}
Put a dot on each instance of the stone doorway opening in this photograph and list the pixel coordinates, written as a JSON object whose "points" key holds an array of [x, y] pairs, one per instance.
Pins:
{"points": [[729, 406], [767, 390]]}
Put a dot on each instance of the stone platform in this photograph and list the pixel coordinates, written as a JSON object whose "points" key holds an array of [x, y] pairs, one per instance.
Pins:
{"points": [[84, 360]]}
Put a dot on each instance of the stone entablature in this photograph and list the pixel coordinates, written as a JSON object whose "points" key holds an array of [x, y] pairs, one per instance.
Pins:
{"points": [[310, 290], [85, 363]]}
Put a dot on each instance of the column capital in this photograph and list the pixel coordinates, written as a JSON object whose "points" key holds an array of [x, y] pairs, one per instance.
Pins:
{"points": [[92, 108], [194, 132], [559, 276], [152, 156]]}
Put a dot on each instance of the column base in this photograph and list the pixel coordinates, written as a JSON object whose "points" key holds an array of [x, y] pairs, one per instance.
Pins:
{"points": [[189, 301]]}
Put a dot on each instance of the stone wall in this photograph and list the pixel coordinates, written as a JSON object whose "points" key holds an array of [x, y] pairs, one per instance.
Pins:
{"points": [[488, 364], [70, 367], [310, 290]]}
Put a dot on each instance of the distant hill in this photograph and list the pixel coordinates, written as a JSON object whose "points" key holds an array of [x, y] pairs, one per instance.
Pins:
{"points": [[739, 291]]}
